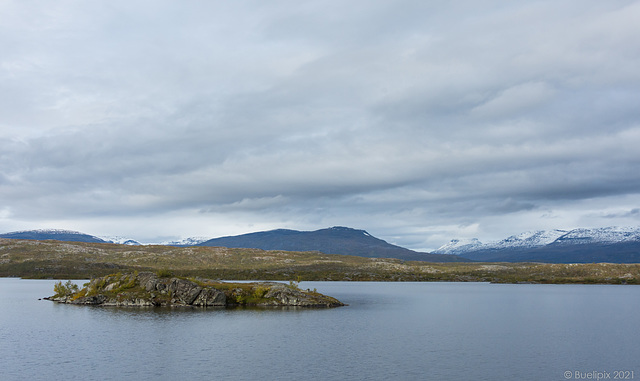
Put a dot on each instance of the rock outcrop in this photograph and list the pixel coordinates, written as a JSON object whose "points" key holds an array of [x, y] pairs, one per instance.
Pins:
{"points": [[146, 289], [283, 295]]}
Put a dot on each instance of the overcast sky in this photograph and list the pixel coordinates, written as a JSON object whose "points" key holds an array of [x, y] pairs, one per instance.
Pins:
{"points": [[418, 121]]}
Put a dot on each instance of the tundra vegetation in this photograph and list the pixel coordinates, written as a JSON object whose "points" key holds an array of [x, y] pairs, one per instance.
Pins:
{"points": [[77, 260]]}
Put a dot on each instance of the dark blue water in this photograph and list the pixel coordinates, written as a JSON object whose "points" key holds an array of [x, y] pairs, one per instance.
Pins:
{"points": [[390, 331]]}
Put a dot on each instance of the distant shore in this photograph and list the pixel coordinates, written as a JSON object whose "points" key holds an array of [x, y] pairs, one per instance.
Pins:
{"points": [[77, 260]]}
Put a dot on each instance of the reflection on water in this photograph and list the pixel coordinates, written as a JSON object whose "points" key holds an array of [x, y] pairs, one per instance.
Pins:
{"points": [[409, 331]]}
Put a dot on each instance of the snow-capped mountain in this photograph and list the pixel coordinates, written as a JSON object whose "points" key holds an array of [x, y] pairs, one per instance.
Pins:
{"points": [[610, 244], [612, 234], [191, 241], [528, 239], [539, 238], [458, 246], [122, 241]]}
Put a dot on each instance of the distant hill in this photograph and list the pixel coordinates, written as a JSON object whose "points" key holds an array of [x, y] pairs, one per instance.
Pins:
{"points": [[335, 240], [610, 244], [54, 234]]}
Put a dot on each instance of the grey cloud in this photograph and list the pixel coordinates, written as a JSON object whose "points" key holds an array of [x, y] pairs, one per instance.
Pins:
{"points": [[404, 115], [514, 100], [635, 213]]}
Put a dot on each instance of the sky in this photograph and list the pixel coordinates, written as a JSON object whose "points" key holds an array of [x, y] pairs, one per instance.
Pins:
{"points": [[418, 121]]}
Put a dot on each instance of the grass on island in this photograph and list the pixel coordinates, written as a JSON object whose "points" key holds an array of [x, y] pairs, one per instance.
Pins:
{"points": [[78, 260]]}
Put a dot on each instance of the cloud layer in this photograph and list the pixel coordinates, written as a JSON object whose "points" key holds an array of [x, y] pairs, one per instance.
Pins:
{"points": [[419, 121]]}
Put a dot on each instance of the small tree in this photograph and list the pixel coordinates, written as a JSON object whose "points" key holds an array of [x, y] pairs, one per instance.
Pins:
{"points": [[66, 289], [294, 284]]}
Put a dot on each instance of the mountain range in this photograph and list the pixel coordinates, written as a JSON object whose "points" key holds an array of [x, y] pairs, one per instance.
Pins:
{"points": [[609, 244], [335, 240], [66, 235]]}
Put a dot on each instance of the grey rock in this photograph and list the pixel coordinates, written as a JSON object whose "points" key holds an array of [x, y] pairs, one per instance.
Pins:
{"points": [[91, 300], [184, 291], [288, 296], [148, 280], [210, 297]]}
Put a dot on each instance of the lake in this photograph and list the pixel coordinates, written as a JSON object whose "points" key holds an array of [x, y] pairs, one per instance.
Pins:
{"points": [[389, 331]]}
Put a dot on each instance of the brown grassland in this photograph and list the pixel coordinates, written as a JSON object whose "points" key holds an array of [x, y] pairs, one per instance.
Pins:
{"points": [[77, 260]]}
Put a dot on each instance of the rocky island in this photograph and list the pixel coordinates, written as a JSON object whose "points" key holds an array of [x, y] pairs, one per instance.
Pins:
{"points": [[148, 289]]}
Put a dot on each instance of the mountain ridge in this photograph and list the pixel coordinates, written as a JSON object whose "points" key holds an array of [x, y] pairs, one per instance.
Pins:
{"points": [[581, 245], [334, 240]]}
